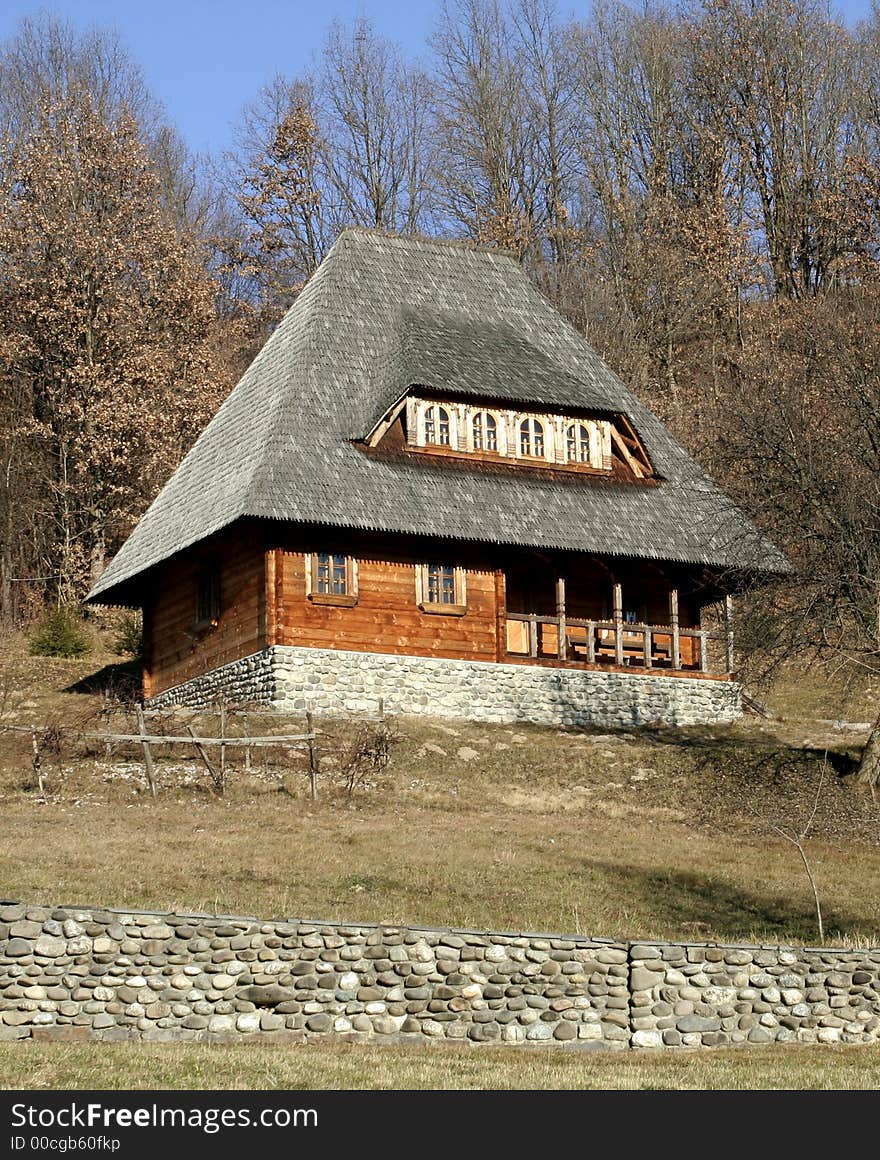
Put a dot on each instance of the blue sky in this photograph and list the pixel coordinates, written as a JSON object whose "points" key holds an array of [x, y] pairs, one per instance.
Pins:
{"points": [[204, 59]]}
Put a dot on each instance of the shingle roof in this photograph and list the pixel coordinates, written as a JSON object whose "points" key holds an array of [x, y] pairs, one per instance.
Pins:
{"points": [[383, 313]]}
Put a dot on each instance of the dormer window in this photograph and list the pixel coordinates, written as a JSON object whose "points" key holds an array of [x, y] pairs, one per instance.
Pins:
{"points": [[531, 438], [437, 426], [484, 431], [577, 443]]}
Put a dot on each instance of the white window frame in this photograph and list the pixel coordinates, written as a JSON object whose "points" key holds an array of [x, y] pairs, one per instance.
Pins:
{"points": [[588, 442], [500, 430], [451, 410], [546, 433]]}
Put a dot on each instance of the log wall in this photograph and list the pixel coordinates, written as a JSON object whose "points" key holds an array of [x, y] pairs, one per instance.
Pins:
{"points": [[175, 648], [386, 618]]}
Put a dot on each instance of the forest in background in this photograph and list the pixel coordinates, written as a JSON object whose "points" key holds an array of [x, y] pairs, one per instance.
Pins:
{"points": [[697, 188]]}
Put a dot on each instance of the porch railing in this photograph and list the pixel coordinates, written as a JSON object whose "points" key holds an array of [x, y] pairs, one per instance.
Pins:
{"points": [[617, 642]]}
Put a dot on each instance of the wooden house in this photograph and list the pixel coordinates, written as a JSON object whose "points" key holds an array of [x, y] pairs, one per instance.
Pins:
{"points": [[428, 488]]}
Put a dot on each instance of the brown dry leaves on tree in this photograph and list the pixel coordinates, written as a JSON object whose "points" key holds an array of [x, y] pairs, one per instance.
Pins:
{"points": [[106, 331]]}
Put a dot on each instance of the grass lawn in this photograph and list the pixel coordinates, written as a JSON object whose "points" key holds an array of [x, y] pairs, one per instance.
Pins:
{"points": [[624, 834], [350, 1066]]}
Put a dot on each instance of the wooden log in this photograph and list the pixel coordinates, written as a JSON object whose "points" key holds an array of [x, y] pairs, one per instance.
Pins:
{"points": [[591, 642], [673, 623], [562, 651], [500, 616], [618, 624], [148, 756], [271, 599], [248, 750], [728, 628], [704, 654], [38, 766], [533, 636], [223, 739], [216, 781], [313, 758]]}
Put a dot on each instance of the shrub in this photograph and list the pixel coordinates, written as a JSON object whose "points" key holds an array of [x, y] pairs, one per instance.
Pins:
{"points": [[129, 639], [61, 633]]}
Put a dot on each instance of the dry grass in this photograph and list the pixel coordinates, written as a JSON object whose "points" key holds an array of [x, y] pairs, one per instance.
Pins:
{"points": [[262, 1067], [662, 834], [642, 834]]}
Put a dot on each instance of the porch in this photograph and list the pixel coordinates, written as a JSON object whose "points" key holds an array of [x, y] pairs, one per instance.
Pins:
{"points": [[687, 640]]}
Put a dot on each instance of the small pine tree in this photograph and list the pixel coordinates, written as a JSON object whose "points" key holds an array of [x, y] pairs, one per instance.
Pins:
{"points": [[129, 639], [61, 633]]}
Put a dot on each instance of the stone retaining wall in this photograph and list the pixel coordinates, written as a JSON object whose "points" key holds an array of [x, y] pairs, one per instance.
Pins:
{"points": [[329, 680], [72, 973]]}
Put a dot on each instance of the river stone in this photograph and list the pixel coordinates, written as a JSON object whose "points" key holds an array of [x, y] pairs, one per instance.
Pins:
{"points": [[268, 995], [647, 1039], [693, 1023], [49, 947], [17, 948], [158, 930], [248, 1022], [643, 979], [26, 929], [539, 1031], [760, 1035]]}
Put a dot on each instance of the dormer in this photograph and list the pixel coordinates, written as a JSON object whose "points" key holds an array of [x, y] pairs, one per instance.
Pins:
{"points": [[519, 436]]}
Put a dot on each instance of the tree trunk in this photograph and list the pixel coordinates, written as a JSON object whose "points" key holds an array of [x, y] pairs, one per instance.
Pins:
{"points": [[869, 766]]}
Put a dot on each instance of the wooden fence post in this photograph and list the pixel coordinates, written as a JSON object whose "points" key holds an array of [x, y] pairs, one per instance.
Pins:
{"points": [[38, 766], [673, 621], [248, 748], [313, 757], [148, 756], [728, 629], [222, 736]]}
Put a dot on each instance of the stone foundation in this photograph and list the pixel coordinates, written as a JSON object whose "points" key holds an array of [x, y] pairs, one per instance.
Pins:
{"points": [[328, 680], [74, 973]]}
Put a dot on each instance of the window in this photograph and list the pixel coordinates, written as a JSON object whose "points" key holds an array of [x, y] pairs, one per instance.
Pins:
{"points": [[331, 578], [331, 574], [531, 438], [484, 431], [437, 426], [441, 588], [577, 443], [208, 598]]}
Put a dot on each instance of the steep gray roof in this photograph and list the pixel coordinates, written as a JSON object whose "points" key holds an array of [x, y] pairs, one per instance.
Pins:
{"points": [[383, 313]]}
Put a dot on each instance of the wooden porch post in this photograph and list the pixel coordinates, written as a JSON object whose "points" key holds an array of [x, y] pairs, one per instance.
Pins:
{"points": [[673, 621], [147, 649], [562, 651], [728, 627], [500, 615], [270, 628], [618, 624]]}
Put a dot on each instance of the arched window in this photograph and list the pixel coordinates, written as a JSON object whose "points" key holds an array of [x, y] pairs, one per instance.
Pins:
{"points": [[437, 426], [531, 437], [577, 443], [484, 431]]}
